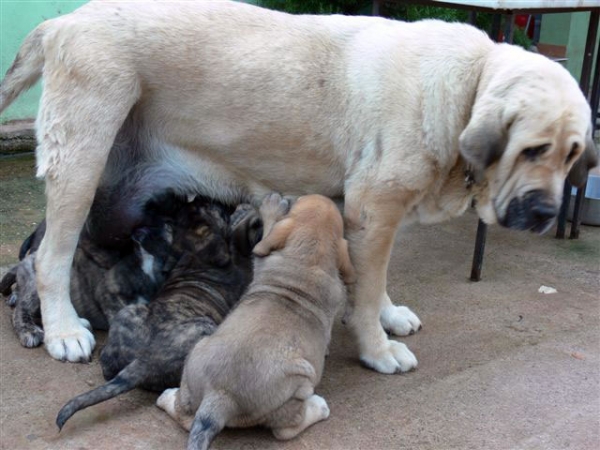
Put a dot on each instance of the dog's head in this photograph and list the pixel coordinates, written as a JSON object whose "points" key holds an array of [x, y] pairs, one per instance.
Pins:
{"points": [[202, 231], [313, 220], [153, 248], [529, 129]]}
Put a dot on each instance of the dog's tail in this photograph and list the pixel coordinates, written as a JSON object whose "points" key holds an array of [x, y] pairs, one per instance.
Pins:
{"points": [[25, 70], [211, 417], [126, 380]]}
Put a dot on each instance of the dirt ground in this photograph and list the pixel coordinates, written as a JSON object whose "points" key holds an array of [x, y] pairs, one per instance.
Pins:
{"points": [[501, 366]]}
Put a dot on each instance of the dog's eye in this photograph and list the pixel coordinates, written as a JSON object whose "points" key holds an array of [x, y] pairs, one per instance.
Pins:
{"points": [[573, 152], [532, 153]]}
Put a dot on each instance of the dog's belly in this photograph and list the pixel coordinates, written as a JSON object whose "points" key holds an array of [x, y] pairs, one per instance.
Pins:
{"points": [[239, 173], [270, 149]]}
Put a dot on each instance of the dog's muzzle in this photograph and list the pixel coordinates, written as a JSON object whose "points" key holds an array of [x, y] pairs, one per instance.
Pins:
{"points": [[534, 212]]}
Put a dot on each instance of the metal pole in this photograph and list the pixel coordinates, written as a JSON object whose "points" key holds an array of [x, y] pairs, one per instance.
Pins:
{"points": [[473, 18], [479, 251], [564, 208], [587, 61], [376, 7], [481, 236]]}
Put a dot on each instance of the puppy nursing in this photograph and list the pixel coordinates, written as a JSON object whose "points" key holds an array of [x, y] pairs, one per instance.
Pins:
{"points": [[263, 363], [148, 343]]}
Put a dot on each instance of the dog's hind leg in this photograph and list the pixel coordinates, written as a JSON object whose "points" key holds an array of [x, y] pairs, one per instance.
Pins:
{"points": [[87, 96]]}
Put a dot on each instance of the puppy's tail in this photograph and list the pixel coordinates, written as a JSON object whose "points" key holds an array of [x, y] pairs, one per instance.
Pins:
{"points": [[126, 380], [211, 417], [33, 241], [25, 70]]}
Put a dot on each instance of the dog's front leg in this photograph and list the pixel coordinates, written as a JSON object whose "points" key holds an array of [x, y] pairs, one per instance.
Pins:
{"points": [[371, 222]]}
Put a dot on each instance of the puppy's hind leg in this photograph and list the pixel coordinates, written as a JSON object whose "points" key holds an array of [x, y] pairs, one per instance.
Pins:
{"points": [[212, 416], [80, 114], [170, 402], [295, 416], [27, 307]]}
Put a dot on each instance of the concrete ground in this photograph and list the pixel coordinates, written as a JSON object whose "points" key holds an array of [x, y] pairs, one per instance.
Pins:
{"points": [[501, 366]]}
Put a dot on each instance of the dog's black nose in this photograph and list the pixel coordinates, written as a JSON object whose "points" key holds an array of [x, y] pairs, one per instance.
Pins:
{"points": [[543, 211], [534, 211]]}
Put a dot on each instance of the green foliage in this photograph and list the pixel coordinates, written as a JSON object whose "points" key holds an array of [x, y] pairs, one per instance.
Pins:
{"points": [[520, 38], [350, 7], [409, 13]]}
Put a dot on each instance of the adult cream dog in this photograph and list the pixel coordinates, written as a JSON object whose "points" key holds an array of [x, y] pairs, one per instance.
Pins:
{"points": [[239, 101]]}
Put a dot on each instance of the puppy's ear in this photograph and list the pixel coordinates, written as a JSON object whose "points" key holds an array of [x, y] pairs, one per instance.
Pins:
{"points": [[588, 160], [275, 240], [344, 263], [247, 233], [483, 141]]}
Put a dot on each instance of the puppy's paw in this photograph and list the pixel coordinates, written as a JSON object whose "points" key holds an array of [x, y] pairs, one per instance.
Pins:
{"points": [[12, 299], [394, 358], [166, 400], [71, 341], [274, 207], [399, 320], [31, 336]]}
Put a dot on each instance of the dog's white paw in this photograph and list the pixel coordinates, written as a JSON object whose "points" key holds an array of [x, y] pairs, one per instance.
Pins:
{"points": [[317, 408], [399, 320], [394, 358], [72, 343], [166, 400]]}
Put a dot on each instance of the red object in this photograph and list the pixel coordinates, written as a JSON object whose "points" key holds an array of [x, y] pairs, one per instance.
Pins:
{"points": [[521, 21]]}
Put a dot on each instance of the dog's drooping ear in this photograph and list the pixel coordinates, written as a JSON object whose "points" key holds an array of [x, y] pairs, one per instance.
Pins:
{"points": [[344, 263], [275, 240], [483, 141], [588, 160]]}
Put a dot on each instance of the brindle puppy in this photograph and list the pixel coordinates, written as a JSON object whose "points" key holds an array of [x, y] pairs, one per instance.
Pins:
{"points": [[147, 344], [105, 278], [102, 282]]}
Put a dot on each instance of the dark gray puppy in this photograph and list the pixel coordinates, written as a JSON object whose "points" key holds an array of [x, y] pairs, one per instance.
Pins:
{"points": [[147, 344]]}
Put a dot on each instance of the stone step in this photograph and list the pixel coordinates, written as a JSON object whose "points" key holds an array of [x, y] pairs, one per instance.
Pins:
{"points": [[17, 137]]}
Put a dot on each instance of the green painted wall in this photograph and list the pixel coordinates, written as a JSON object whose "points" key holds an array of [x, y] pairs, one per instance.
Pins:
{"points": [[570, 30], [17, 19]]}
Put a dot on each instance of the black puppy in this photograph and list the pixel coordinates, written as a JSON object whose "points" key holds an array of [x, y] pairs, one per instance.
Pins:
{"points": [[147, 344]]}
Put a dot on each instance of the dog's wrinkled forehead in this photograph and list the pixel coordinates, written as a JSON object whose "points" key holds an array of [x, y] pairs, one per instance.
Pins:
{"points": [[535, 107]]}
